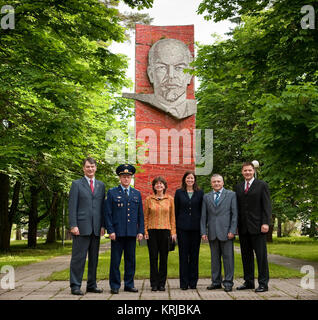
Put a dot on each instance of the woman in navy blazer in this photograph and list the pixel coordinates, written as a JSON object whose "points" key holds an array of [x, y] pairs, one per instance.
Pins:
{"points": [[188, 203]]}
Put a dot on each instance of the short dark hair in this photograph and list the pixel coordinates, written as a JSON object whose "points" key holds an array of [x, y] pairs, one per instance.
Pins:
{"points": [[157, 179], [90, 160], [217, 175], [248, 163], [184, 185]]}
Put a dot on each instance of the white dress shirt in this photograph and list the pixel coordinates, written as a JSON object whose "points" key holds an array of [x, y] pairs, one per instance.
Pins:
{"points": [[89, 181], [214, 193], [249, 183]]}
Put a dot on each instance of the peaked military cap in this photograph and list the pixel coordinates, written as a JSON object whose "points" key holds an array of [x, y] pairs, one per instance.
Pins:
{"points": [[125, 169]]}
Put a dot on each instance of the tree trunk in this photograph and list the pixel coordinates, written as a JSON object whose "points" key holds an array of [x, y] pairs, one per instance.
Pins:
{"points": [[18, 235], [58, 233], [5, 231], [68, 235], [59, 228], [279, 227], [33, 217], [51, 235], [14, 204], [312, 230]]}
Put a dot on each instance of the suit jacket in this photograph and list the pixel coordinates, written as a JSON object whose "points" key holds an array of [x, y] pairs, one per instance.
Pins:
{"points": [[124, 216], [86, 208], [254, 208], [219, 219], [188, 211]]}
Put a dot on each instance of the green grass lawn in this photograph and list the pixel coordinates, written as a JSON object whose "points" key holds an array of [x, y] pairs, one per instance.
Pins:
{"points": [[142, 266], [20, 254], [294, 247]]}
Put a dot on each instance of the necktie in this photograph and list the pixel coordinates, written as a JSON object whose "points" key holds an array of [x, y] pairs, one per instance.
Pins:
{"points": [[247, 187], [217, 196], [92, 185], [126, 193]]}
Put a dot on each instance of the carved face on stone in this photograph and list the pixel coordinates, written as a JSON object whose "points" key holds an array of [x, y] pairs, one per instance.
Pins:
{"points": [[167, 60]]}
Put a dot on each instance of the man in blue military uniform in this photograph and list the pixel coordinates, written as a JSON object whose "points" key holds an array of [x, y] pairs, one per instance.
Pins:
{"points": [[124, 219]]}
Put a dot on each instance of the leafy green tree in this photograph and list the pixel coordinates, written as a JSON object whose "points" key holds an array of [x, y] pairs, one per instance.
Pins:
{"points": [[140, 4], [274, 66], [224, 106], [57, 98], [285, 138], [230, 9]]}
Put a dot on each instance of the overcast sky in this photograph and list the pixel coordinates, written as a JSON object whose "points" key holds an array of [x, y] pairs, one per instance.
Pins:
{"points": [[173, 12]]}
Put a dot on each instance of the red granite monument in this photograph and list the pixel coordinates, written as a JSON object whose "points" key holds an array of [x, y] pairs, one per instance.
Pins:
{"points": [[165, 104]]}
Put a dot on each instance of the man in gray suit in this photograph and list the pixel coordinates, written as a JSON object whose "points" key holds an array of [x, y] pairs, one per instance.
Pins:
{"points": [[86, 220], [219, 217]]}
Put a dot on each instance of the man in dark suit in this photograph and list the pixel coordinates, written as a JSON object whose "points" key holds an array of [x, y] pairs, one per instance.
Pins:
{"points": [[86, 221], [254, 209], [219, 216], [124, 218]]}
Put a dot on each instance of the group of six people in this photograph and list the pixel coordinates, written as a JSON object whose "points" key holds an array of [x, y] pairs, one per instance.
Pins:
{"points": [[187, 218]]}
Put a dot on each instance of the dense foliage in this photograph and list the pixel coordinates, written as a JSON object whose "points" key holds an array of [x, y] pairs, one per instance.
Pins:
{"points": [[59, 82], [259, 95]]}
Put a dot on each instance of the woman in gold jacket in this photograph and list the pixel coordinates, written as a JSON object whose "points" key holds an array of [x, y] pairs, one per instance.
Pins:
{"points": [[160, 225]]}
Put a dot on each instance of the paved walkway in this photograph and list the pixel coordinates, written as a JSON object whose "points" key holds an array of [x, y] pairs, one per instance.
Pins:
{"points": [[29, 286], [292, 263]]}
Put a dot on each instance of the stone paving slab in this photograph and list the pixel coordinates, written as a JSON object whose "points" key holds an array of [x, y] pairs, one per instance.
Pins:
{"points": [[245, 295], [212, 295], [184, 295], [28, 286], [279, 289], [292, 287]]}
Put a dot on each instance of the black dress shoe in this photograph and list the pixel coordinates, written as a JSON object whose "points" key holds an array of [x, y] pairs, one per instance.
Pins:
{"points": [[261, 289], [227, 289], [214, 286], [114, 290], [193, 287], [77, 292], [245, 286], [130, 289], [161, 288], [154, 288], [184, 288], [95, 290]]}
